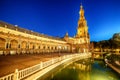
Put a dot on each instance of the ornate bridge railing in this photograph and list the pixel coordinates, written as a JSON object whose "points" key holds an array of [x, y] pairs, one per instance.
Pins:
{"points": [[21, 74]]}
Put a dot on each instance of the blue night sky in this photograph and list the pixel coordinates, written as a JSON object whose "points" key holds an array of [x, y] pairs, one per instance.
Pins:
{"points": [[56, 17]]}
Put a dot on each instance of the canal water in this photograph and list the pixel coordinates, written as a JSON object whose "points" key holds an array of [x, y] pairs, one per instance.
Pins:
{"points": [[82, 70]]}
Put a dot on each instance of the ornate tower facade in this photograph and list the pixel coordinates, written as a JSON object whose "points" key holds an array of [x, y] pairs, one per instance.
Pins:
{"points": [[82, 35], [80, 43], [82, 30]]}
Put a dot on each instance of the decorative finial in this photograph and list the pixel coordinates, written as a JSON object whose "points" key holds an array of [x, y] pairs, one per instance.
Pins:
{"points": [[66, 33], [81, 6]]}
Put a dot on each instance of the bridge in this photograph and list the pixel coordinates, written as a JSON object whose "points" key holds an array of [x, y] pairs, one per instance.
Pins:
{"points": [[38, 70]]}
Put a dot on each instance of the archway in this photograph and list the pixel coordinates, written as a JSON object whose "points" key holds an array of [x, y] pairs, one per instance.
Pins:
{"points": [[24, 45], [31, 46], [14, 44]]}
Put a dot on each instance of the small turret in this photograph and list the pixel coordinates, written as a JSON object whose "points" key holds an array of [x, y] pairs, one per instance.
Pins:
{"points": [[66, 36]]}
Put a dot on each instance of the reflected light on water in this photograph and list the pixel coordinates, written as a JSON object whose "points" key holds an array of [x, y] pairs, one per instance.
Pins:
{"points": [[84, 71], [99, 77]]}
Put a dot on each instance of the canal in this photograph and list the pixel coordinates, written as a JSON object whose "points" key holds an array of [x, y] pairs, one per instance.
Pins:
{"points": [[82, 70]]}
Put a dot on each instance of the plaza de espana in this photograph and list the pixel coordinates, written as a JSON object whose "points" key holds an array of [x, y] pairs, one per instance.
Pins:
{"points": [[16, 40]]}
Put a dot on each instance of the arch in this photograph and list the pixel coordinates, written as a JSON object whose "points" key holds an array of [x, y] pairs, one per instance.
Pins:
{"points": [[14, 44], [37, 46], [44, 47], [48, 47], [51, 47], [24, 45], [2, 43], [31, 46], [55, 47], [41, 46]]}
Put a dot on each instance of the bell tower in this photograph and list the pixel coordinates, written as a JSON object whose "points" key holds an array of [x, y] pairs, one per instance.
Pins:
{"points": [[80, 43], [82, 29]]}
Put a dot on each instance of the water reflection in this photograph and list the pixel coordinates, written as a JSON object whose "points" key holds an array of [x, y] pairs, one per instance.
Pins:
{"points": [[84, 70]]}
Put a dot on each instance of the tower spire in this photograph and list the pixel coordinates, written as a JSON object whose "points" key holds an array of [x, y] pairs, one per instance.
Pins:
{"points": [[81, 12], [82, 24], [81, 7]]}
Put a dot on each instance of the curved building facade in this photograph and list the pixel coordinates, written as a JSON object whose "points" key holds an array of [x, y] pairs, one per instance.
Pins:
{"points": [[16, 40]]}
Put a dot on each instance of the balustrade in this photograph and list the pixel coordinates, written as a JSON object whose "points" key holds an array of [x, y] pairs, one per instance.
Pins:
{"points": [[17, 75]]}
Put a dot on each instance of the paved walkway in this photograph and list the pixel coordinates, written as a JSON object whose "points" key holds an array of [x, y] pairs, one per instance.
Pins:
{"points": [[9, 63]]}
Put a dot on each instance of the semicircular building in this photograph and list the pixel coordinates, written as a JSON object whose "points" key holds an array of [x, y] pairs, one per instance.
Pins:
{"points": [[16, 40]]}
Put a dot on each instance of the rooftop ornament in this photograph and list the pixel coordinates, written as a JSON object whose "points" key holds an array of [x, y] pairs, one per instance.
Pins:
{"points": [[16, 25]]}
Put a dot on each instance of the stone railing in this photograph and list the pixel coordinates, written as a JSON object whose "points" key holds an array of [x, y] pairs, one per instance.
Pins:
{"points": [[21, 74], [8, 77]]}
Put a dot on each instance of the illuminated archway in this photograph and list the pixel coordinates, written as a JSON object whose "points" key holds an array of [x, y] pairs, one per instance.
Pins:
{"points": [[14, 44], [24, 45]]}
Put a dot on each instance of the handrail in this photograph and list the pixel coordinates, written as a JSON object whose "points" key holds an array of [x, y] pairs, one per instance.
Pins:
{"points": [[8, 77]]}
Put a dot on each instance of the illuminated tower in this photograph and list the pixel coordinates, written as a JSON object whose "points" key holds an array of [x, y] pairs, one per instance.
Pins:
{"points": [[80, 43], [82, 30], [82, 35]]}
